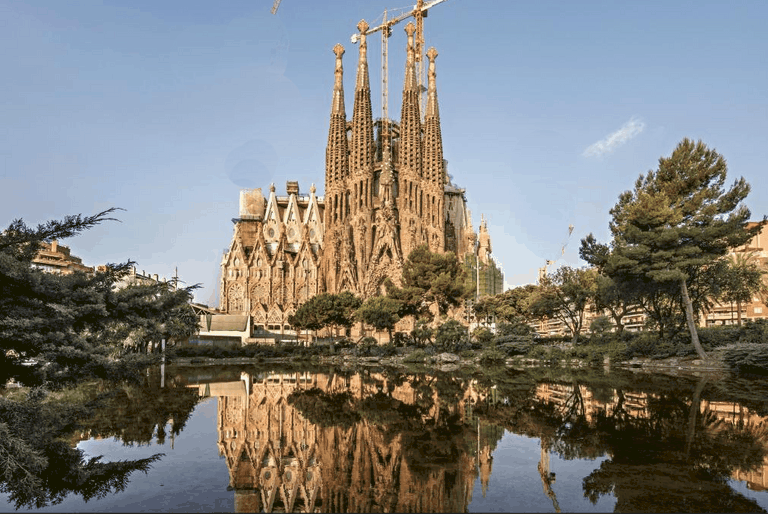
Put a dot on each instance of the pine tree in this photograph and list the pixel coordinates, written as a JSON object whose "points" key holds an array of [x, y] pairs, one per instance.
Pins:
{"points": [[678, 220]]}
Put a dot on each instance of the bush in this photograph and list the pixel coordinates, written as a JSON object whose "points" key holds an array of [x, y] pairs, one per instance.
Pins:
{"points": [[483, 336], [755, 332], [600, 329], [748, 358], [493, 356], [418, 355], [714, 337]]}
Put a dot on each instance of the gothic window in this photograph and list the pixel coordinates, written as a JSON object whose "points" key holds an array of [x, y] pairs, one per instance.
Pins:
{"points": [[259, 293], [235, 298]]}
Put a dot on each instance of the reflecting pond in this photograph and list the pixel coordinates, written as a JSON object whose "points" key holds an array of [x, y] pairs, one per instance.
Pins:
{"points": [[378, 440]]}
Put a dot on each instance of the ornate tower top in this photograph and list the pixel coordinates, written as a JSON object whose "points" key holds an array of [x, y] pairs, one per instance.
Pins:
{"points": [[363, 147], [337, 106], [362, 62], [432, 108], [410, 66]]}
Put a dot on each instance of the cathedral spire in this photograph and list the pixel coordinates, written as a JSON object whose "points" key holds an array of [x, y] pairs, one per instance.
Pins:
{"points": [[410, 119], [338, 85], [336, 153], [433, 140], [363, 144]]}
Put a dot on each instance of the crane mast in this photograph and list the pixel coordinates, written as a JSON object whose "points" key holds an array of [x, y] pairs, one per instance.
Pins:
{"points": [[419, 12]]}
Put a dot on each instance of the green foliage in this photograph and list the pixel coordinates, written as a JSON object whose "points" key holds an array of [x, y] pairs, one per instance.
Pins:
{"points": [[417, 355], [669, 233], [380, 312], [511, 306], [755, 332], [600, 328], [429, 278], [748, 358], [565, 295], [326, 310], [75, 326], [40, 468], [422, 333], [483, 336], [450, 333], [493, 356]]}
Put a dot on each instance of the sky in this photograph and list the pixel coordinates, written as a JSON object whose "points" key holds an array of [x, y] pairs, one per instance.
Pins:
{"points": [[549, 111]]}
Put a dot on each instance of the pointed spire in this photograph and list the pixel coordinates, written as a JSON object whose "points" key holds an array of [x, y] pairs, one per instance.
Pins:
{"points": [[336, 153], [410, 63], [363, 145], [362, 62], [410, 120], [433, 139], [338, 86], [432, 108]]}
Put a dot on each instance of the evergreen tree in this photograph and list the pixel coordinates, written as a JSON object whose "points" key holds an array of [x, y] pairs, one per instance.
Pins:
{"points": [[77, 325], [380, 312], [429, 279], [678, 220]]}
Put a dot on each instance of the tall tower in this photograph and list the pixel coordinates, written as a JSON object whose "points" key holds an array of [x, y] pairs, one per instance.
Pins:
{"points": [[411, 201], [434, 170]]}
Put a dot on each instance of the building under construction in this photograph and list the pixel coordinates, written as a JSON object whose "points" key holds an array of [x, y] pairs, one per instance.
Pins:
{"points": [[386, 192]]}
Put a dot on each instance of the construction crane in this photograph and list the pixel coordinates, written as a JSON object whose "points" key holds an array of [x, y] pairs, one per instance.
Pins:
{"points": [[563, 245], [419, 12], [275, 6]]}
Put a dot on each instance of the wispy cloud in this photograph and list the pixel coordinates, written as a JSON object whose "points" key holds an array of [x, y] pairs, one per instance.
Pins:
{"points": [[605, 146]]}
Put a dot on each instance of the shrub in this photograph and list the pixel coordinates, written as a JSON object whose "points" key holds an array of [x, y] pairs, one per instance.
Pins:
{"points": [[483, 336], [748, 358], [493, 356], [755, 332], [416, 356]]}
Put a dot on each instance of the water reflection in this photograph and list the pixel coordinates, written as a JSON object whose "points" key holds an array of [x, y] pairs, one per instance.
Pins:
{"points": [[40, 462], [378, 442], [381, 440]]}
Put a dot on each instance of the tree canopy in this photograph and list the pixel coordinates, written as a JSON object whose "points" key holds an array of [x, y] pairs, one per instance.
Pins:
{"points": [[430, 278], [77, 325], [326, 310], [678, 220]]}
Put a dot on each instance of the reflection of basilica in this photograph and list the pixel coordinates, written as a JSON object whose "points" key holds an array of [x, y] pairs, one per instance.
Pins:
{"points": [[280, 461]]}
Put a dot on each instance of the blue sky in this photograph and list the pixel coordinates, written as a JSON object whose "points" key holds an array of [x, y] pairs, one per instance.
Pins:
{"points": [[549, 111]]}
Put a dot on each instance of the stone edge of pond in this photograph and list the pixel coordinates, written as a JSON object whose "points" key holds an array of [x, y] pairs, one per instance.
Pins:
{"points": [[674, 364]]}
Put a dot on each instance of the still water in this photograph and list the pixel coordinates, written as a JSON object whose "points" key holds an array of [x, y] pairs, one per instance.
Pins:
{"points": [[327, 440]]}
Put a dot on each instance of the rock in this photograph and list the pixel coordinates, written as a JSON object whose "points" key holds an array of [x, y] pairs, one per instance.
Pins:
{"points": [[448, 357], [448, 367]]}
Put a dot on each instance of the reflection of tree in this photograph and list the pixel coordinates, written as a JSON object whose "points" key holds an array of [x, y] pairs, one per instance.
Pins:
{"points": [[40, 468], [137, 414], [675, 459]]}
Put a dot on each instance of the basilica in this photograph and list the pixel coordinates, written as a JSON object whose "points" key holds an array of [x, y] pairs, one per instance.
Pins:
{"points": [[386, 192]]}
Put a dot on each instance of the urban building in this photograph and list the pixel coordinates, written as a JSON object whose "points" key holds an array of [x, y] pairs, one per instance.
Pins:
{"points": [[56, 258]]}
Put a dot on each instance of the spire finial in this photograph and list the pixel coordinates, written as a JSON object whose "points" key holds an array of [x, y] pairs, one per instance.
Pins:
{"points": [[312, 188], [410, 64], [338, 86], [362, 62], [362, 26], [432, 109]]}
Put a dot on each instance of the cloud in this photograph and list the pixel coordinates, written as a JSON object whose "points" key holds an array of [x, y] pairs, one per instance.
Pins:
{"points": [[605, 146]]}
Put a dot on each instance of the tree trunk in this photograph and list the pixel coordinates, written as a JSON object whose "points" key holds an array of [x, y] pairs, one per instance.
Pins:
{"points": [[691, 322], [738, 311]]}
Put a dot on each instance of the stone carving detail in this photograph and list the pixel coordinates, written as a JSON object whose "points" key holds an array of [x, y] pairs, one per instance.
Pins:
{"points": [[235, 299], [386, 192]]}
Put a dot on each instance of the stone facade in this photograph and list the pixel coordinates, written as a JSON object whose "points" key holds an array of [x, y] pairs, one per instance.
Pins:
{"points": [[386, 192]]}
